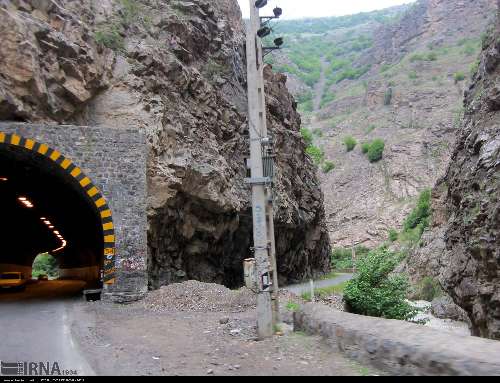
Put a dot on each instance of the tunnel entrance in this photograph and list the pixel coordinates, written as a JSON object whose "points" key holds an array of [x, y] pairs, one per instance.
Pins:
{"points": [[48, 205]]}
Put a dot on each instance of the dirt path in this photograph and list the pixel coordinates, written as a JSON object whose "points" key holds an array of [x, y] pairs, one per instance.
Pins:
{"points": [[130, 340], [319, 88]]}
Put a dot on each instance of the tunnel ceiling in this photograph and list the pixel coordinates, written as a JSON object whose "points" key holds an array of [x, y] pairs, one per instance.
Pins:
{"points": [[55, 195]]}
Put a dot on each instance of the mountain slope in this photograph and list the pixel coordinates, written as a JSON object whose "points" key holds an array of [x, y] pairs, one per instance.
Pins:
{"points": [[401, 81]]}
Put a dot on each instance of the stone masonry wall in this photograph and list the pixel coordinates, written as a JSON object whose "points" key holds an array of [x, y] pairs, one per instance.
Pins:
{"points": [[399, 347], [115, 161]]}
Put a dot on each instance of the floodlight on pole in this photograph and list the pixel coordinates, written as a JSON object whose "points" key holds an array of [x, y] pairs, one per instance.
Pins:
{"points": [[278, 12], [263, 32], [279, 42], [260, 3]]}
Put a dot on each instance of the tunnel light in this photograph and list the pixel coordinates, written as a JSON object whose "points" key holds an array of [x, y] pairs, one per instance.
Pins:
{"points": [[25, 202], [43, 219], [47, 222], [56, 232], [51, 227], [3, 179]]}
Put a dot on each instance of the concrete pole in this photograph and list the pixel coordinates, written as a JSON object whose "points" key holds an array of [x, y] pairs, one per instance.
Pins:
{"points": [[256, 121], [269, 191]]}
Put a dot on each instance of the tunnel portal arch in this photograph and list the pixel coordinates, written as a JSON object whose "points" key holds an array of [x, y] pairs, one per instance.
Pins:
{"points": [[88, 187]]}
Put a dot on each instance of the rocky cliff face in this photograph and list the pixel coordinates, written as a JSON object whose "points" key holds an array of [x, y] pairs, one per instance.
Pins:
{"points": [[415, 60], [463, 249], [177, 70]]}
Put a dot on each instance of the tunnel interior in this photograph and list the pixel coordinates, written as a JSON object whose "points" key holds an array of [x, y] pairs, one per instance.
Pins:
{"points": [[45, 210]]}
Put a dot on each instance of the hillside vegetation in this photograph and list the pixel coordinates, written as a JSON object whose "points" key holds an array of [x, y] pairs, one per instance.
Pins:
{"points": [[381, 94]]}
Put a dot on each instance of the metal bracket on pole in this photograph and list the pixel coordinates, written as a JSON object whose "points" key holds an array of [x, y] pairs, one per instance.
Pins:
{"points": [[267, 50], [258, 181]]}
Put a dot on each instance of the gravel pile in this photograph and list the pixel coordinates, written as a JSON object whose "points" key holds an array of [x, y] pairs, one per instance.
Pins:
{"points": [[199, 297]]}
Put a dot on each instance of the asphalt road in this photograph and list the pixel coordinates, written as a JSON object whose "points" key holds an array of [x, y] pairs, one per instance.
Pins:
{"points": [[35, 326], [306, 287]]}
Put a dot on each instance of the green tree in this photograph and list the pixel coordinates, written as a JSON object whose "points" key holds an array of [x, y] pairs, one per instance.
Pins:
{"points": [[375, 291]]}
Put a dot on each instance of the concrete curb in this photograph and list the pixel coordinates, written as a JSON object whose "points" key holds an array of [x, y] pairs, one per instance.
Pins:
{"points": [[399, 347]]}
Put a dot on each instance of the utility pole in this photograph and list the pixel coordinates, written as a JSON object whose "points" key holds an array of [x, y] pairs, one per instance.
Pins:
{"points": [[262, 169]]}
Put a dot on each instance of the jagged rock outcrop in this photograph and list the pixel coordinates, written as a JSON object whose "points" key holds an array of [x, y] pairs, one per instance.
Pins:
{"points": [[50, 64], [177, 70], [429, 23], [463, 248]]}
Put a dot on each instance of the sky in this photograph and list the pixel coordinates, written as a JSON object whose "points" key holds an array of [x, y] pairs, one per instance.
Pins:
{"points": [[296, 9]]}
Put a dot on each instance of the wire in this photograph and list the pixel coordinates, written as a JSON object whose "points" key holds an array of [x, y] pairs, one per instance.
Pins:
{"points": [[252, 126]]}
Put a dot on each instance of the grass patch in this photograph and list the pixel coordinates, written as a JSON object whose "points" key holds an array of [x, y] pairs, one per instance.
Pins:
{"points": [[429, 56], [328, 166], [292, 306], [393, 235], [350, 143], [111, 38], [458, 77]]}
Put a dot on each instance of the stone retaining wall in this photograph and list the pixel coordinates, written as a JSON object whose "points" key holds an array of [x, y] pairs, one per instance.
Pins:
{"points": [[399, 347]]}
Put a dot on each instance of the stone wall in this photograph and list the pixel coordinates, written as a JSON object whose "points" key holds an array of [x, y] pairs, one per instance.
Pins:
{"points": [[115, 161], [399, 347]]}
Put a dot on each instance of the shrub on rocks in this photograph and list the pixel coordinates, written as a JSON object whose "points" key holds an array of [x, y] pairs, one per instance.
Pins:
{"points": [[374, 150], [350, 143]]}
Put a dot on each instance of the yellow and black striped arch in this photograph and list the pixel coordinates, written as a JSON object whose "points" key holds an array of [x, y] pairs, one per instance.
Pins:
{"points": [[87, 185]]}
